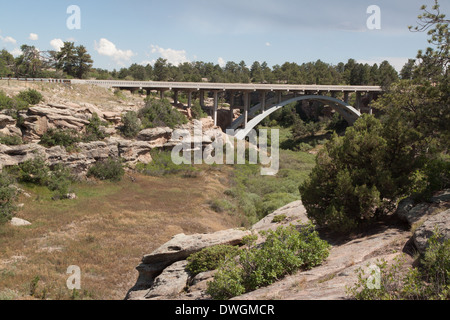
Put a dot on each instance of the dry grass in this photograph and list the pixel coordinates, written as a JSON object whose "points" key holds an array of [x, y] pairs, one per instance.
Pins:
{"points": [[105, 232], [104, 98]]}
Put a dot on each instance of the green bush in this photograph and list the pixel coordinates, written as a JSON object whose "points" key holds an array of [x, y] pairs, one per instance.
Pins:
{"points": [[93, 130], [210, 258], [131, 125], [163, 165], [34, 171], [11, 140], [160, 113], [279, 218], [353, 181], [284, 252], [110, 169], [8, 195], [58, 179], [221, 205], [30, 96], [57, 137], [12, 103], [60, 182], [197, 111]]}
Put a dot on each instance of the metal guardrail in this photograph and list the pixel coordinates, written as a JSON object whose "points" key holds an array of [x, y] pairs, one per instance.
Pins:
{"points": [[155, 85], [38, 80]]}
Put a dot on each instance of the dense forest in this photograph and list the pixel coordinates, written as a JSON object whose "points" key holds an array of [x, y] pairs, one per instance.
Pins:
{"points": [[75, 62]]}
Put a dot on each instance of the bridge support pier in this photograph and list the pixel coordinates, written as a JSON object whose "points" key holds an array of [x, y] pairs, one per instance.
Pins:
{"points": [[175, 97], [358, 101], [231, 107], [246, 107], [263, 101], [202, 98], [216, 106]]}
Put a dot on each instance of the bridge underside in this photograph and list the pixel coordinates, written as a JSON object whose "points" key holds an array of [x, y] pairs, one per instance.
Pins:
{"points": [[259, 112]]}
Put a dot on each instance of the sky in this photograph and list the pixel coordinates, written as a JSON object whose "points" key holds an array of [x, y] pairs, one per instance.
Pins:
{"points": [[120, 33]]}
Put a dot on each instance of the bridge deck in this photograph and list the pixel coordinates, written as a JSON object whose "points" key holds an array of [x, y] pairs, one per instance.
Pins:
{"points": [[192, 86], [195, 86]]}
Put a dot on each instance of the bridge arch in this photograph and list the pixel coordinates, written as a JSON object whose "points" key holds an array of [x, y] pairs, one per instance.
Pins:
{"points": [[349, 113]]}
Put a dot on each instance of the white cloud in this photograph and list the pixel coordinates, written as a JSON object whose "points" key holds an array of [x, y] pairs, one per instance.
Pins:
{"points": [[33, 37], [57, 44], [268, 44], [16, 52], [221, 62], [109, 49], [8, 40], [175, 57]]}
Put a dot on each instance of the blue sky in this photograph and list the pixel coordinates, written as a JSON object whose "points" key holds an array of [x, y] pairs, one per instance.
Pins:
{"points": [[119, 33]]}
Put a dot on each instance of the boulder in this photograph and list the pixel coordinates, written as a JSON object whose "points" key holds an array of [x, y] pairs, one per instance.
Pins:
{"points": [[171, 282], [179, 248], [295, 214], [440, 221], [8, 126], [134, 152], [16, 222], [154, 134], [182, 246]]}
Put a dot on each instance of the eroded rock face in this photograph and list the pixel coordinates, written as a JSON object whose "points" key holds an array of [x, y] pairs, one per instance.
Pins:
{"points": [[439, 222], [86, 154], [170, 282], [8, 126], [179, 248]]}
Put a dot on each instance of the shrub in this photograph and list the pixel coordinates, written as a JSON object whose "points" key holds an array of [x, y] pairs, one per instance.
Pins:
{"points": [[57, 137], [353, 181], [210, 258], [197, 111], [221, 205], [11, 140], [285, 251], [160, 113], [279, 218], [110, 169], [163, 165], [93, 130], [8, 195], [60, 182], [30, 96], [34, 171], [12, 103], [131, 125]]}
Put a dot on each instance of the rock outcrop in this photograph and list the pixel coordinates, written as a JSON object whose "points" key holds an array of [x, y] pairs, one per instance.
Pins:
{"points": [[439, 222], [38, 119], [178, 249], [8, 126], [425, 217], [161, 274]]}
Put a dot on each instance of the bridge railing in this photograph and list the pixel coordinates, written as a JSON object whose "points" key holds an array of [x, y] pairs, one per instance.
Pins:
{"points": [[206, 85]]}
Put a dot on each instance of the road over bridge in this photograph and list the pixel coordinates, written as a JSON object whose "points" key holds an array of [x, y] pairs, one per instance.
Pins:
{"points": [[272, 97]]}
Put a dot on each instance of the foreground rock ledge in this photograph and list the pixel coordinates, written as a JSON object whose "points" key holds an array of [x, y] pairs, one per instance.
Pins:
{"points": [[178, 249]]}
